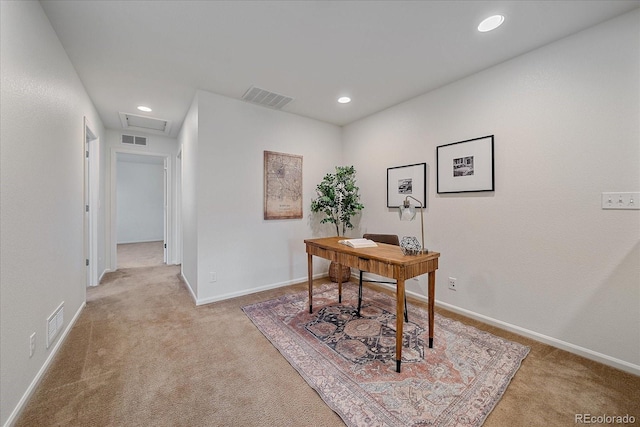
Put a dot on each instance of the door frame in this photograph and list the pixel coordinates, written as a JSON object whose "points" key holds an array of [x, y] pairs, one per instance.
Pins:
{"points": [[178, 209], [168, 228], [91, 145]]}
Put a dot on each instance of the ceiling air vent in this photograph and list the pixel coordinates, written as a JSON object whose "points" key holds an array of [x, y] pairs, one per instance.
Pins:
{"points": [[144, 123], [265, 98], [134, 140]]}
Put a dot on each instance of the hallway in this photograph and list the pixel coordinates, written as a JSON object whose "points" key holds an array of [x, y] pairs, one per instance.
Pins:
{"points": [[132, 255]]}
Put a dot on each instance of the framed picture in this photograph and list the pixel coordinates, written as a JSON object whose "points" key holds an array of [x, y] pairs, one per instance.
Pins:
{"points": [[282, 186], [403, 181], [465, 166]]}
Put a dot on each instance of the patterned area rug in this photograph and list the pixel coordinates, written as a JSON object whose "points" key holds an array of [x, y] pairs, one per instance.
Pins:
{"points": [[350, 360]]}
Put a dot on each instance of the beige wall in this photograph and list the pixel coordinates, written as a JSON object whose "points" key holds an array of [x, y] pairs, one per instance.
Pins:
{"points": [[538, 255], [43, 107], [226, 231]]}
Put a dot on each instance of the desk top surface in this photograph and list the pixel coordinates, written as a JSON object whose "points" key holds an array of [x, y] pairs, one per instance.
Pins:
{"points": [[391, 254]]}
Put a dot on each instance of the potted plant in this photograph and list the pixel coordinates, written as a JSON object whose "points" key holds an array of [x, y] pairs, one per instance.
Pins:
{"points": [[338, 199]]}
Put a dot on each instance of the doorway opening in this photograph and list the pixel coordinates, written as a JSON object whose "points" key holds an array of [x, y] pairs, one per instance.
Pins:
{"points": [[141, 214], [144, 254]]}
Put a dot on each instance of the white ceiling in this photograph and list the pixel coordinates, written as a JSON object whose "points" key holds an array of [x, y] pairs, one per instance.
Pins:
{"points": [[158, 53]]}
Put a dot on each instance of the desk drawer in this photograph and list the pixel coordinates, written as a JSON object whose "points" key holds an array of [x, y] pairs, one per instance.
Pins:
{"points": [[322, 253], [349, 260], [380, 268], [366, 264]]}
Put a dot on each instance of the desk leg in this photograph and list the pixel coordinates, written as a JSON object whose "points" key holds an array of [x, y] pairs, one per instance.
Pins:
{"points": [[432, 299], [339, 283], [399, 320], [310, 276]]}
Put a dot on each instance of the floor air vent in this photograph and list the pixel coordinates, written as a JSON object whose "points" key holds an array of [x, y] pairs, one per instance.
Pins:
{"points": [[265, 98]]}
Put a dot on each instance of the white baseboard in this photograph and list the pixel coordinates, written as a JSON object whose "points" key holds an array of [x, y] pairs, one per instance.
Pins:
{"points": [[106, 270], [34, 384], [554, 342], [189, 288], [255, 290]]}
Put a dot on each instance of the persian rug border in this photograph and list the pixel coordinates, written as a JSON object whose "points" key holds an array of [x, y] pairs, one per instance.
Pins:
{"points": [[339, 387]]}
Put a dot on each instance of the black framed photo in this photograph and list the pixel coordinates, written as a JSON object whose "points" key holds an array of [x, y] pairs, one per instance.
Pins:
{"points": [[403, 181], [465, 166]]}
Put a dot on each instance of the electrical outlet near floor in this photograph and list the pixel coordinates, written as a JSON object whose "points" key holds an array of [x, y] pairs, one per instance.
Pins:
{"points": [[213, 276], [452, 283]]}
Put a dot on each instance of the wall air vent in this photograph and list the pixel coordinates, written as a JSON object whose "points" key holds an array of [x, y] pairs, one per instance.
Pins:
{"points": [[54, 324], [145, 124], [265, 98], [134, 140]]}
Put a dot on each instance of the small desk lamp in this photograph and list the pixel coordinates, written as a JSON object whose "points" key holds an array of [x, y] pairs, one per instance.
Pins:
{"points": [[408, 213]]}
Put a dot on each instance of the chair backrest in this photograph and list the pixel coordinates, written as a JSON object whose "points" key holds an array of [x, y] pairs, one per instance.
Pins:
{"points": [[390, 239]]}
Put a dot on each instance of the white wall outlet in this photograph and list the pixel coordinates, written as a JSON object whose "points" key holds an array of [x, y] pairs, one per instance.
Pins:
{"points": [[32, 344], [213, 277], [452, 283], [620, 200]]}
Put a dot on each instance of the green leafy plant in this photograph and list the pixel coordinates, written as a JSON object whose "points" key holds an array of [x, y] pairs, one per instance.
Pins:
{"points": [[338, 198]]}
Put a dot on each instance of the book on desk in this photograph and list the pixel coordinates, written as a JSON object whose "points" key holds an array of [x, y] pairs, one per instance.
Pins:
{"points": [[358, 243]]}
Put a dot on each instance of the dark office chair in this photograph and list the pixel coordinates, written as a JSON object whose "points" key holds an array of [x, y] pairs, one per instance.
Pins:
{"points": [[390, 239]]}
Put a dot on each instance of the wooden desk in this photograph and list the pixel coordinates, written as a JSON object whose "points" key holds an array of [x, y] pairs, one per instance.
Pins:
{"points": [[384, 260]]}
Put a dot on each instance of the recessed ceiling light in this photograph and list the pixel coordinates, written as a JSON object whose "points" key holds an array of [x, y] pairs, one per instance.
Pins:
{"points": [[491, 23], [344, 100], [145, 109]]}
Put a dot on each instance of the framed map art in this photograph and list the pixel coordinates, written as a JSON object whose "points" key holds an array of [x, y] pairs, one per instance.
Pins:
{"points": [[282, 186]]}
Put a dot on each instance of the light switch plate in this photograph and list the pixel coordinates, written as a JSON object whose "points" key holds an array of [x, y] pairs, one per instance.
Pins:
{"points": [[621, 200]]}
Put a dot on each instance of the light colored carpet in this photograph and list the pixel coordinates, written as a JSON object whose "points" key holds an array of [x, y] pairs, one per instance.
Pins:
{"points": [[341, 353], [141, 354], [146, 254]]}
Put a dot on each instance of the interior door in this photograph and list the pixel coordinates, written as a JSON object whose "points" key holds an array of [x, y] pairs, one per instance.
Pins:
{"points": [[165, 203]]}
